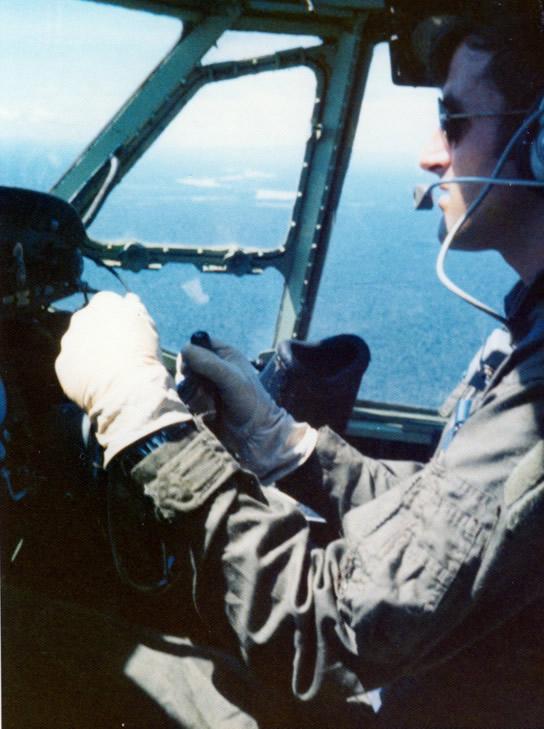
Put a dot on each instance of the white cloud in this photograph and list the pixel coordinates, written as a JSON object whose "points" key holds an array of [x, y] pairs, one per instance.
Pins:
{"points": [[276, 195], [248, 175], [195, 292], [211, 198], [207, 182], [223, 181]]}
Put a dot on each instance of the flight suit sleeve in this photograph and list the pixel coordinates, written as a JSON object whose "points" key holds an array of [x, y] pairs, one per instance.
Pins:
{"points": [[337, 477], [360, 611]]}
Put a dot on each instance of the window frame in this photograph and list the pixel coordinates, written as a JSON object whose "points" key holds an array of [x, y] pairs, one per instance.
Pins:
{"points": [[340, 64]]}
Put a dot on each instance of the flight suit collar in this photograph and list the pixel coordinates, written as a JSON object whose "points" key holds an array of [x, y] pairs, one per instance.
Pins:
{"points": [[521, 306]]}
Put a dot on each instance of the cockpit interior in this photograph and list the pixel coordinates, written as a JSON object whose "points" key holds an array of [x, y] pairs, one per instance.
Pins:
{"points": [[246, 168]]}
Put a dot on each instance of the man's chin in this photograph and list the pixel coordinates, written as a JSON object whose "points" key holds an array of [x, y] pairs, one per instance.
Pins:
{"points": [[461, 240], [465, 238]]}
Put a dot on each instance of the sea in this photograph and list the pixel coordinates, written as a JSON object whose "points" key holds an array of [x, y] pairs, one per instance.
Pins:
{"points": [[378, 282]]}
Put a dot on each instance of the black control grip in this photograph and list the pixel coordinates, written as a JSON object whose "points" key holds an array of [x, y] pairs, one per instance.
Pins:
{"points": [[200, 393], [201, 339]]}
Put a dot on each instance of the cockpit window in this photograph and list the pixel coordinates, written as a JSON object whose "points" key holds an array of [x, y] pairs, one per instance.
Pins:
{"points": [[223, 174], [226, 170], [379, 279], [66, 69]]}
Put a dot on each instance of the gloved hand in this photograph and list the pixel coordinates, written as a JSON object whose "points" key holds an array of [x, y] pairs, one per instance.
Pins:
{"points": [[110, 365], [264, 437]]}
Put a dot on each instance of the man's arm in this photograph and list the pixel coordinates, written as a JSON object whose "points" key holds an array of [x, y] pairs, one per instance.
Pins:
{"points": [[410, 568], [318, 469], [370, 605], [410, 572]]}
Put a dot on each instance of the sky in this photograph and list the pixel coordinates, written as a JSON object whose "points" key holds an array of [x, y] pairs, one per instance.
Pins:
{"points": [[68, 65]]}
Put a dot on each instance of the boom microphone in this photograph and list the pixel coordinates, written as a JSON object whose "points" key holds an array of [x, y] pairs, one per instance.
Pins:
{"points": [[423, 199]]}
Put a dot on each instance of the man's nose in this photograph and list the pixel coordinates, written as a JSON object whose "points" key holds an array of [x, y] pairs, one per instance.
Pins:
{"points": [[435, 155]]}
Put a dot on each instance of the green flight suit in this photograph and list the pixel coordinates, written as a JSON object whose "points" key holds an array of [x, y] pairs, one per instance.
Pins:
{"points": [[432, 567]]}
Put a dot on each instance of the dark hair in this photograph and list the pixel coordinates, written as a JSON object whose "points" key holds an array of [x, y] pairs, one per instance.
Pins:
{"points": [[516, 45]]}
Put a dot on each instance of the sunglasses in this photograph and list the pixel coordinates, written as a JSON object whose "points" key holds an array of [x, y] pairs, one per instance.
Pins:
{"points": [[454, 124]]}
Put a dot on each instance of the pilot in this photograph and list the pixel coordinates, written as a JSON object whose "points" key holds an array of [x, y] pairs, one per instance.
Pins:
{"points": [[427, 604]]}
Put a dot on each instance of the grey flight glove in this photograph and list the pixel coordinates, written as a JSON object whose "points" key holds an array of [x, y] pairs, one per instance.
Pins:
{"points": [[263, 436], [110, 365]]}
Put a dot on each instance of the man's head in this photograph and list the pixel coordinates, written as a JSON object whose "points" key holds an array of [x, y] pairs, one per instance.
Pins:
{"points": [[486, 73]]}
